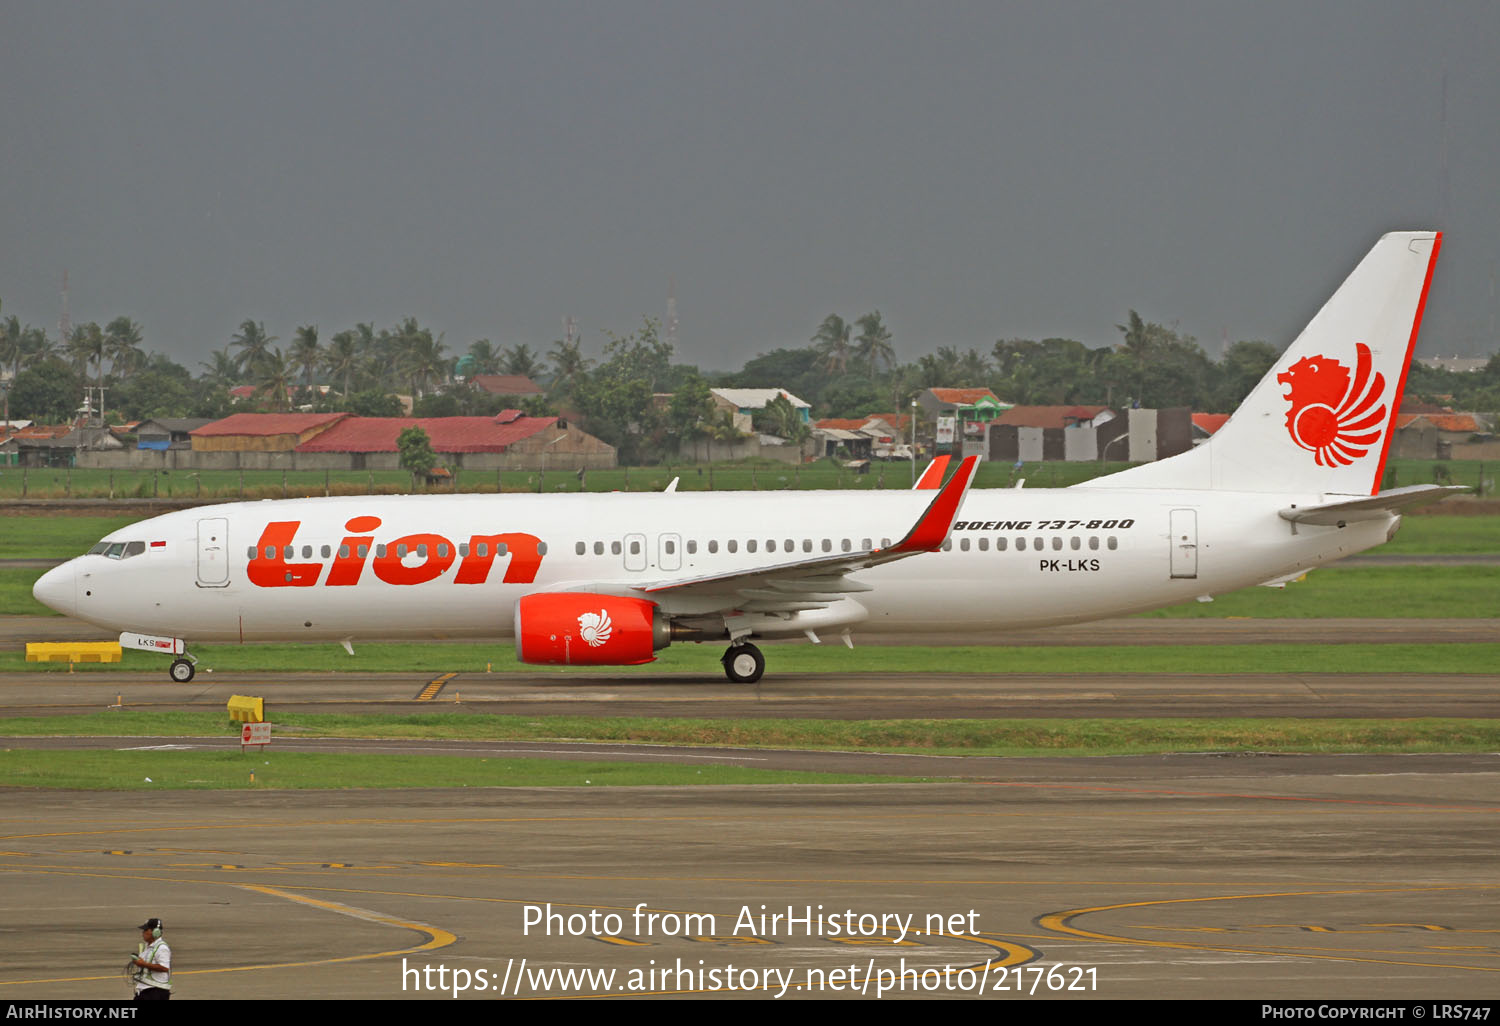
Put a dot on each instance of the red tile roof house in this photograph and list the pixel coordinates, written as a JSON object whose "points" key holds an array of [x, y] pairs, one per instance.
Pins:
{"points": [[509, 440]]}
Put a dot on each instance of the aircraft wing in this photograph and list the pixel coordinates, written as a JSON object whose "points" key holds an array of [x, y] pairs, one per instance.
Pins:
{"points": [[820, 581], [1337, 514]]}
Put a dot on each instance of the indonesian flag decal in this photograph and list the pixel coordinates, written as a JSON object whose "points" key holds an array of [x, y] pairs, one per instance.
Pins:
{"points": [[595, 628], [1331, 417]]}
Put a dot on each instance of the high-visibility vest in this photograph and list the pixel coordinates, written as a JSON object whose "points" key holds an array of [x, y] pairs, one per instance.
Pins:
{"points": [[147, 976]]}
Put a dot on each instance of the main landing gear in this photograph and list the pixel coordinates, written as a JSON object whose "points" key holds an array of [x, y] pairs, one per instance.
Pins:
{"points": [[743, 664]]}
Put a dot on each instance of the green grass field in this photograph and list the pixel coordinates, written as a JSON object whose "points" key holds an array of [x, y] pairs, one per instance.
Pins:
{"points": [[703, 660], [218, 771], [988, 737]]}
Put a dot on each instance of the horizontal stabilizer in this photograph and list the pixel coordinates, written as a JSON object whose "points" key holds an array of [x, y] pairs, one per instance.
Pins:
{"points": [[1337, 514]]}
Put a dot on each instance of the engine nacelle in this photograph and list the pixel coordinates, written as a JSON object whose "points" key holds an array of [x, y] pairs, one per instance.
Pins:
{"points": [[580, 629]]}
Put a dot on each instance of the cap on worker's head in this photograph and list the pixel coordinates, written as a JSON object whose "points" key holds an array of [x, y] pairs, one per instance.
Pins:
{"points": [[150, 924]]}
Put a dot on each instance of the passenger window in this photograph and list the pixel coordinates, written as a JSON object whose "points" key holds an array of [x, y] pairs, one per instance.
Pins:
{"points": [[380, 551], [270, 552], [579, 548], [344, 552], [790, 546], [806, 544], [1075, 542], [964, 544], [1057, 541], [885, 543], [671, 546], [598, 548], [713, 545], [770, 544], [846, 545], [1039, 544], [1112, 543], [400, 551], [541, 549], [864, 543], [827, 544], [501, 548], [1000, 544], [614, 548], [692, 547], [442, 552], [948, 545], [1020, 544], [463, 549], [251, 553], [750, 545], [1093, 543], [984, 545], [326, 551], [732, 545], [635, 548], [287, 552], [364, 550]]}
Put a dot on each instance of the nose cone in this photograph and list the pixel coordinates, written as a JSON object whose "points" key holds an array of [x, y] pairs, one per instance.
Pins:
{"points": [[58, 588]]}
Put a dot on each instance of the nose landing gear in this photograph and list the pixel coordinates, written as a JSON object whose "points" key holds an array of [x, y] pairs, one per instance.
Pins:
{"points": [[182, 670]]}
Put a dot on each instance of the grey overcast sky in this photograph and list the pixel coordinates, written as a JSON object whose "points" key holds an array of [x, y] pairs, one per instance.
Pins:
{"points": [[973, 170]]}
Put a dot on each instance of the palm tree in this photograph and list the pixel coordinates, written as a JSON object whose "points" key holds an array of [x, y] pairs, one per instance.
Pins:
{"points": [[85, 347], [832, 341], [253, 344], [568, 366], [1138, 345], [122, 344], [305, 355], [221, 371], [482, 358], [12, 343], [420, 356], [273, 376], [873, 343], [341, 358], [519, 359]]}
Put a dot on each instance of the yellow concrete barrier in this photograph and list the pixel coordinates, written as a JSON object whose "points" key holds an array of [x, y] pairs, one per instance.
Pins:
{"points": [[73, 652], [244, 709]]}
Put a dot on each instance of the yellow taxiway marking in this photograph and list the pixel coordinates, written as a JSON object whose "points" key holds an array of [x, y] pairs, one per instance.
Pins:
{"points": [[434, 686], [1060, 922], [436, 938]]}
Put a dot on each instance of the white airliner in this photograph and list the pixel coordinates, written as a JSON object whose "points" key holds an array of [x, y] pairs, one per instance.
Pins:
{"points": [[1289, 483]]}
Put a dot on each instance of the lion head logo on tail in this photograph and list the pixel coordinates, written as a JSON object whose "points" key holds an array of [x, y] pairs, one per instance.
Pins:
{"points": [[1333, 418]]}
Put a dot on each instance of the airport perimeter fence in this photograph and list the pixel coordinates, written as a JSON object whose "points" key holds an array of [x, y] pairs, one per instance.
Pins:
{"points": [[19, 482]]}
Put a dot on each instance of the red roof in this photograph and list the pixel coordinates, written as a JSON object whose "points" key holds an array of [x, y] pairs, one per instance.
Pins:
{"points": [[895, 420], [447, 434], [1210, 422], [506, 384], [1455, 422], [266, 424], [1048, 416], [962, 396]]}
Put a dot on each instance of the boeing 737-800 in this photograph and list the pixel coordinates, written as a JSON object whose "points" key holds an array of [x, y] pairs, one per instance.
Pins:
{"points": [[1289, 483]]}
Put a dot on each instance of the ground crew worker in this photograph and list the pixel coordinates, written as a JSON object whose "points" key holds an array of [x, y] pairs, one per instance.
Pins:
{"points": [[153, 964]]}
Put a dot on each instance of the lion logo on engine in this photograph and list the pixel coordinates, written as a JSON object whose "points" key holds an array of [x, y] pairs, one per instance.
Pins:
{"points": [[595, 628], [1332, 417]]}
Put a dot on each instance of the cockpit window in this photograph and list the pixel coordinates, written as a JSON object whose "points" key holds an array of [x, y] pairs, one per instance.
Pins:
{"points": [[118, 550]]}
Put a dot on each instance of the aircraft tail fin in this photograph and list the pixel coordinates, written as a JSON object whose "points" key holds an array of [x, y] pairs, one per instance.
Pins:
{"points": [[1322, 418]]}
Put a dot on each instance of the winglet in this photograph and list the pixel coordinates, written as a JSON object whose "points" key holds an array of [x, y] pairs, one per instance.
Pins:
{"points": [[932, 477], [932, 528]]}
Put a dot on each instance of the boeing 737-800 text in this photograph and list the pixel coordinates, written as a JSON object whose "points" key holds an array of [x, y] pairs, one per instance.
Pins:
{"points": [[1289, 483]]}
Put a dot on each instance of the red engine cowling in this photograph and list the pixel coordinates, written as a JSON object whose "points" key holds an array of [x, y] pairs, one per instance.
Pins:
{"points": [[579, 629]]}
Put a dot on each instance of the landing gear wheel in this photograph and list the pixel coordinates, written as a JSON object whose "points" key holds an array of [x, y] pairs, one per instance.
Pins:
{"points": [[743, 664], [182, 671]]}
